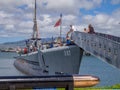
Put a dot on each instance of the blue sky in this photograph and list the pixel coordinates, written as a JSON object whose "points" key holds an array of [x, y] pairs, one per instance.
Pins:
{"points": [[16, 17]]}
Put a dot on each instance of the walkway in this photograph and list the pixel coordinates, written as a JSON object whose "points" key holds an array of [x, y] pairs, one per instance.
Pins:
{"points": [[104, 46]]}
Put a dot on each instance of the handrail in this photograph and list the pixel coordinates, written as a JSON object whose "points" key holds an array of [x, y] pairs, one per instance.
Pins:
{"points": [[54, 81], [114, 38]]}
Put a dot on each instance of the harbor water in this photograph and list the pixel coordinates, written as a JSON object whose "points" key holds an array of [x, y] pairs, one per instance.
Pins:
{"points": [[90, 65]]}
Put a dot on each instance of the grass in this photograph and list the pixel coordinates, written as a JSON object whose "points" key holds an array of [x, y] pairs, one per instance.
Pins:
{"points": [[116, 87]]}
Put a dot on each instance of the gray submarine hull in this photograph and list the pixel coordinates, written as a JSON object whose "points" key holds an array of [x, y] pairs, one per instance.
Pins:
{"points": [[53, 61]]}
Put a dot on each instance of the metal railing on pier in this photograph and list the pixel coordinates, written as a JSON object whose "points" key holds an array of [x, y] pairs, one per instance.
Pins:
{"points": [[69, 82]]}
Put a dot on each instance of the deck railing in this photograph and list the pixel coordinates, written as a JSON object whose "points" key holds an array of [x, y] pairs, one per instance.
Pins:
{"points": [[69, 82]]}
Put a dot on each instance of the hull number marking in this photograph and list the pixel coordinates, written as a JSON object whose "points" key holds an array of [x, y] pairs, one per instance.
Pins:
{"points": [[67, 52]]}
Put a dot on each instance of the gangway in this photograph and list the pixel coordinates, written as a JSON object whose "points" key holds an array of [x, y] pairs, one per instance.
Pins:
{"points": [[103, 46]]}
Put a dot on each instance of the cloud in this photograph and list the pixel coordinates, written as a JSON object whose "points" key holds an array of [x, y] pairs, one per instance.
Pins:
{"points": [[69, 17], [69, 6], [4, 14], [89, 4], [17, 17], [104, 23], [65, 6], [4, 17], [115, 2], [9, 27], [52, 4], [46, 20], [60, 5]]}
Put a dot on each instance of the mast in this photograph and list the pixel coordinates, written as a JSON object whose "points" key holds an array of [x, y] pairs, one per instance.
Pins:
{"points": [[35, 28], [61, 26]]}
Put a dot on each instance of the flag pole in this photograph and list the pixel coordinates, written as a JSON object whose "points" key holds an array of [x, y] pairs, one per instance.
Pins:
{"points": [[61, 26]]}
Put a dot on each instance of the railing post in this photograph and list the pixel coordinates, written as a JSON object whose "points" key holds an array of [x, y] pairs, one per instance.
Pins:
{"points": [[69, 87]]}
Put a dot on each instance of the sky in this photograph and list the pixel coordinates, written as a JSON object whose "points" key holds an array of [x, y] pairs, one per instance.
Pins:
{"points": [[16, 17]]}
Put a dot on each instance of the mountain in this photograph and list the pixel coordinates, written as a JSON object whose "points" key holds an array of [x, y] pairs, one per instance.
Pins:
{"points": [[7, 45], [22, 43]]}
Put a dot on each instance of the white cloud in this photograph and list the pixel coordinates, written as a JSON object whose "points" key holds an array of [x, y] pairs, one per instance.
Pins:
{"points": [[115, 1], [101, 18], [104, 23], [18, 19], [70, 6], [53, 4], [69, 17], [46, 20], [9, 27], [26, 24], [4, 14], [89, 4]]}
